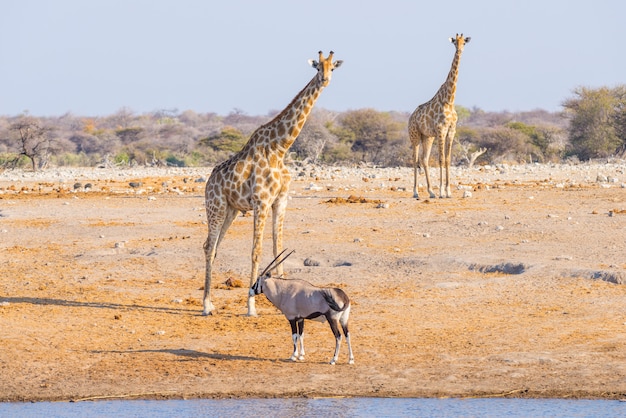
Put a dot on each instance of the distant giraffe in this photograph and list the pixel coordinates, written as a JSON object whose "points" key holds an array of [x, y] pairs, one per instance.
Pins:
{"points": [[257, 179], [437, 119]]}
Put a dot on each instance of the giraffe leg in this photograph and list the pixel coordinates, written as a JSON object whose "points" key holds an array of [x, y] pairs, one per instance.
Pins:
{"points": [[441, 140], [416, 151], [260, 217], [278, 217], [210, 246], [231, 214], [425, 157], [450, 139], [219, 220]]}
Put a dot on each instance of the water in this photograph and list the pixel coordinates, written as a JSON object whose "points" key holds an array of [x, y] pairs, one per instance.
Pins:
{"points": [[344, 407]]}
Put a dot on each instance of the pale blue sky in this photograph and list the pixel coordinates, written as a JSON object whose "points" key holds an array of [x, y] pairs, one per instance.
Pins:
{"points": [[93, 57]]}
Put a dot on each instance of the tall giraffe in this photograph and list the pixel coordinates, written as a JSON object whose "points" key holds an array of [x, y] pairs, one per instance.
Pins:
{"points": [[257, 179], [437, 119]]}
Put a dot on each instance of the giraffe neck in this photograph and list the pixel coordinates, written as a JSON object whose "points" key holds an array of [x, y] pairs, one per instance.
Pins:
{"points": [[286, 126], [447, 91]]}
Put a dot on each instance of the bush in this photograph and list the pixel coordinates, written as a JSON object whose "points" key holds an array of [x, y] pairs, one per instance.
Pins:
{"points": [[74, 160], [594, 122], [122, 158], [175, 162]]}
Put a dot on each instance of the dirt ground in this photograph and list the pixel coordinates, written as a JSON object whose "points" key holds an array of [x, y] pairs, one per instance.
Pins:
{"points": [[514, 287]]}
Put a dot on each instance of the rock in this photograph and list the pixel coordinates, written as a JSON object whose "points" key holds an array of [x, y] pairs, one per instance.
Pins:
{"points": [[564, 257], [309, 262], [313, 187]]}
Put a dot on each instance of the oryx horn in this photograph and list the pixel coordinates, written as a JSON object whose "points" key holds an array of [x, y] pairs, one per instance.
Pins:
{"points": [[276, 263]]}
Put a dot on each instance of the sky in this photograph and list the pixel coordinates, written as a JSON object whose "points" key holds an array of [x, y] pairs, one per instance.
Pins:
{"points": [[95, 57]]}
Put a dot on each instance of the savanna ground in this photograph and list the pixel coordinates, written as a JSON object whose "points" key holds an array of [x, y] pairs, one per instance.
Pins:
{"points": [[518, 290]]}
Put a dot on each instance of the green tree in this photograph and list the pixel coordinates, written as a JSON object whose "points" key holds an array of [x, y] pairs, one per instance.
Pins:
{"points": [[314, 137], [619, 119], [462, 113], [468, 151], [593, 131], [228, 139], [538, 141], [369, 131], [128, 135], [504, 144]]}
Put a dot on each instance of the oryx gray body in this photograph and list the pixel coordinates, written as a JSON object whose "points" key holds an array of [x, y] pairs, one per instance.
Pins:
{"points": [[299, 300]]}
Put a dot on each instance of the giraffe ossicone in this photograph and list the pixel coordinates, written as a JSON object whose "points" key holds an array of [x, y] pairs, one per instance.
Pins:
{"points": [[256, 179], [436, 119]]}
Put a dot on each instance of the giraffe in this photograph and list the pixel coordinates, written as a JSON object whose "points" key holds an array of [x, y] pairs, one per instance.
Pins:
{"points": [[437, 119], [257, 179]]}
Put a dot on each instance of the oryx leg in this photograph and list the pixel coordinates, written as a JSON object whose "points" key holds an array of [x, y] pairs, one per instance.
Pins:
{"points": [[344, 325], [334, 326], [297, 335]]}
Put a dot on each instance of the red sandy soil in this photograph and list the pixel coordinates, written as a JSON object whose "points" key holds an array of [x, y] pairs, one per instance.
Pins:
{"points": [[517, 290]]}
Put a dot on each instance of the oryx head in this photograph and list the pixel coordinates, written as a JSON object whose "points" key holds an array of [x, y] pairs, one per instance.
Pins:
{"points": [[257, 287]]}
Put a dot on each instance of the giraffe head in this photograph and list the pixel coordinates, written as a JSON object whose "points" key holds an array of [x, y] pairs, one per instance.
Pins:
{"points": [[459, 41], [325, 67]]}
